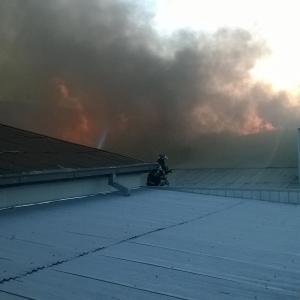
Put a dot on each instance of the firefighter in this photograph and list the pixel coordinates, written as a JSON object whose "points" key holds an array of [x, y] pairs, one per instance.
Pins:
{"points": [[162, 162], [154, 177], [158, 176]]}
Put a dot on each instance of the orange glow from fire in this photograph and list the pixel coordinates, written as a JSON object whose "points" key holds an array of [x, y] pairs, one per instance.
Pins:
{"points": [[64, 90], [78, 132], [205, 120], [254, 124]]}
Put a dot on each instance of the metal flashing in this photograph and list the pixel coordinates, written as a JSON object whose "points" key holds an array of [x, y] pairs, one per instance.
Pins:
{"points": [[72, 174]]}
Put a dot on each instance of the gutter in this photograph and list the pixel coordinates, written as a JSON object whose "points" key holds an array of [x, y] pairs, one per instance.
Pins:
{"points": [[112, 182], [72, 174]]}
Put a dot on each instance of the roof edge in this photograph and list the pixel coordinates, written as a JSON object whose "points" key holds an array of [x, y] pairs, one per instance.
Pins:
{"points": [[40, 135], [72, 174]]}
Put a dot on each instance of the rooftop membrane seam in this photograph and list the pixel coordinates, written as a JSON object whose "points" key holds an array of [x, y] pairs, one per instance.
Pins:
{"points": [[117, 243], [174, 244], [124, 285]]}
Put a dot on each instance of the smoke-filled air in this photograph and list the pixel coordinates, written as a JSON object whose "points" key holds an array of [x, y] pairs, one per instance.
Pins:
{"points": [[98, 73]]}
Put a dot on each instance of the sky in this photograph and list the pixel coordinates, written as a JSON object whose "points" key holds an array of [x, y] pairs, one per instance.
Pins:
{"points": [[277, 22], [130, 77]]}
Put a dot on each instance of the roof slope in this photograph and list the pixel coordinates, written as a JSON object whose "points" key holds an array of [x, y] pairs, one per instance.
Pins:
{"points": [[238, 178], [23, 152], [156, 244]]}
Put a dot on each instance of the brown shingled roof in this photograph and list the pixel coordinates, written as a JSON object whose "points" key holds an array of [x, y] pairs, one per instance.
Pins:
{"points": [[24, 152]]}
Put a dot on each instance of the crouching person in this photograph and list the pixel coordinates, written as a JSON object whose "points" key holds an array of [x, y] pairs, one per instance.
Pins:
{"points": [[158, 176], [154, 178]]}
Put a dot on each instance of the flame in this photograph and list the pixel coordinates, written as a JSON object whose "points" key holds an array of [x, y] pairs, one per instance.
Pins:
{"points": [[80, 128], [79, 132], [254, 124], [205, 119]]}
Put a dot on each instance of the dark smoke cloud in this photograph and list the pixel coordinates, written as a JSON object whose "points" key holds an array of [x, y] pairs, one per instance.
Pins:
{"points": [[79, 70]]}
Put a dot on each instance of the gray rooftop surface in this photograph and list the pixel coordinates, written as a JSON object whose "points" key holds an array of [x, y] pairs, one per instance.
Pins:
{"points": [[155, 244], [238, 178]]}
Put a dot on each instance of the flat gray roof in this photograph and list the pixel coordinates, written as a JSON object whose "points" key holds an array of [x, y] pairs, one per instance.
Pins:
{"points": [[238, 178], [156, 244]]}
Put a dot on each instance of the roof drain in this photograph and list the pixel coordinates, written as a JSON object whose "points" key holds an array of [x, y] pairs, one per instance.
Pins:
{"points": [[112, 182]]}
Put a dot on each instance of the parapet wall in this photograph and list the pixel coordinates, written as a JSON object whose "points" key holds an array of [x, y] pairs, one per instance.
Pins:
{"points": [[272, 195], [51, 191]]}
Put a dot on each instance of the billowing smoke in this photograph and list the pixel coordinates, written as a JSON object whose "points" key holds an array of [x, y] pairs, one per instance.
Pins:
{"points": [[96, 72]]}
